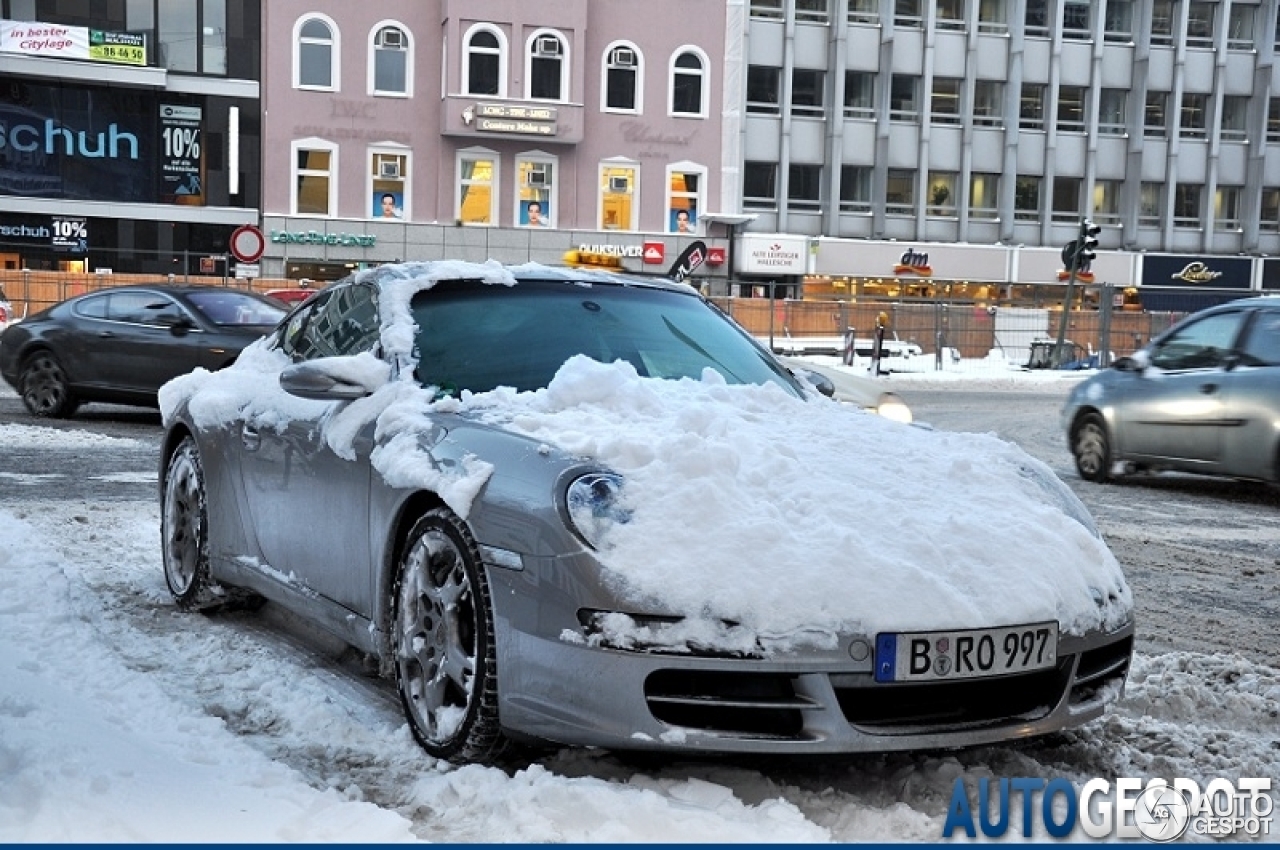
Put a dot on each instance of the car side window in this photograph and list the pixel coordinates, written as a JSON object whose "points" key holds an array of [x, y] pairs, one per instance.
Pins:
{"points": [[94, 307], [1262, 346], [143, 308], [340, 321], [1202, 344]]}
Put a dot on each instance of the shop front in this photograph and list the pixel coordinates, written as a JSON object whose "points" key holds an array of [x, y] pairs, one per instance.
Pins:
{"points": [[1188, 282]]}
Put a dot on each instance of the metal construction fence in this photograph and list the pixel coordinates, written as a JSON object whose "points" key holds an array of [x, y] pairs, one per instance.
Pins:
{"points": [[944, 329]]}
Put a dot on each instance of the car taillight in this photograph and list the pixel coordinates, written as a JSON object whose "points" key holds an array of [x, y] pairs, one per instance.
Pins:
{"points": [[4, 314]]}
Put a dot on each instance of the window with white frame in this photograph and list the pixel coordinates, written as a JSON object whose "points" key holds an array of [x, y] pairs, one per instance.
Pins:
{"points": [[623, 78], [1111, 109], [547, 71], [904, 97], [1235, 113], [988, 103], [484, 66], [1269, 218], [390, 72], [864, 11], [1226, 208], [950, 14], [688, 83], [984, 195], [908, 14], [1193, 115], [944, 100], [619, 194], [804, 187], [768, 10], [1240, 26], [1117, 26], [1037, 18], [1200, 23], [1026, 197], [1155, 117], [859, 94], [1273, 120], [855, 188], [1186, 205], [941, 194], [1071, 109], [807, 92], [993, 16], [1031, 107], [813, 12], [389, 179], [763, 86], [686, 183], [315, 58], [315, 177], [760, 185], [1066, 198], [1075, 19], [476, 199], [1150, 203], [1162, 14], [536, 190], [900, 192], [1106, 201]]}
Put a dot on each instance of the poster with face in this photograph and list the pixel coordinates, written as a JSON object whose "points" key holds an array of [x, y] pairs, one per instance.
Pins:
{"points": [[683, 220], [388, 205], [535, 214]]}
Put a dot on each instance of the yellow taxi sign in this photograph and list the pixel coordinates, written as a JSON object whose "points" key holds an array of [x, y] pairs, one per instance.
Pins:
{"points": [[592, 259]]}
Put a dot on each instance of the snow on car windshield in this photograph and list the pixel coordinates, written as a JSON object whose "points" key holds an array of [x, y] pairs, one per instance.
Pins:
{"points": [[793, 517]]}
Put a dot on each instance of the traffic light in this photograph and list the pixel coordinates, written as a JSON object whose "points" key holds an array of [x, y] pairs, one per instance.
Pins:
{"points": [[1088, 244]]}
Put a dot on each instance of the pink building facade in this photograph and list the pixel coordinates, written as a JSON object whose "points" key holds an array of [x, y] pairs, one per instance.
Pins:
{"points": [[489, 129]]}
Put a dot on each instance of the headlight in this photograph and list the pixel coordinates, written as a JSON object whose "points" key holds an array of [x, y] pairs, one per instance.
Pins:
{"points": [[890, 406], [593, 504]]}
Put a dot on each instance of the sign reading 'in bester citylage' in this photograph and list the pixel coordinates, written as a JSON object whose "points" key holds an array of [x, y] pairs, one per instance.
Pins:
{"points": [[181, 159]]}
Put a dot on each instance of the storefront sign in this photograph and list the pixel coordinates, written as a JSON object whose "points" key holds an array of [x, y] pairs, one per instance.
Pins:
{"points": [[62, 42], [509, 118], [654, 252], [523, 113], [314, 237], [614, 250], [913, 262], [181, 154], [715, 256], [773, 254], [1210, 272], [70, 234]]}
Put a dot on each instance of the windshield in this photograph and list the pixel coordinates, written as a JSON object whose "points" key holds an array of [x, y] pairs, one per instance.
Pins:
{"points": [[478, 337], [230, 307]]}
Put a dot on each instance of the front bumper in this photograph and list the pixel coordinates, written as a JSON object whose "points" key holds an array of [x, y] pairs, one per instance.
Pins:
{"points": [[817, 702]]}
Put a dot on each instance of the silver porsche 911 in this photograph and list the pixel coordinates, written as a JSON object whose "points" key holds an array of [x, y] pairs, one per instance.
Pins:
{"points": [[585, 508]]}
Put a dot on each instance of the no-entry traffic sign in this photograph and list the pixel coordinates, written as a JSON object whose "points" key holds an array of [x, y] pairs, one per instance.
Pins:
{"points": [[248, 243]]}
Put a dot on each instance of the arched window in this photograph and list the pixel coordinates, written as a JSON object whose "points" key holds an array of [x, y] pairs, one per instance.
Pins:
{"points": [[390, 71], [688, 83], [484, 62], [315, 57], [623, 88], [547, 72]]}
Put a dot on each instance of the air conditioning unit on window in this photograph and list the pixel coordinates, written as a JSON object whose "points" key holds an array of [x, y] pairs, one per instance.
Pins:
{"points": [[392, 37], [546, 45], [536, 177], [619, 184], [389, 169], [624, 57]]}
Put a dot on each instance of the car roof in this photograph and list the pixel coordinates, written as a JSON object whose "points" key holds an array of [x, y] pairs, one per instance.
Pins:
{"points": [[442, 270]]}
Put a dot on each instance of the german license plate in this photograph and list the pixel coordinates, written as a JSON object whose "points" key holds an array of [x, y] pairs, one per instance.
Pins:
{"points": [[970, 654]]}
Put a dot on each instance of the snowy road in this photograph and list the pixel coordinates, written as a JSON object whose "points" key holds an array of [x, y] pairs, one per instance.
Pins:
{"points": [[292, 721]]}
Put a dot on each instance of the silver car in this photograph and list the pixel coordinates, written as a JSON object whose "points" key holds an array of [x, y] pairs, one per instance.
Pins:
{"points": [[1204, 397], [375, 466]]}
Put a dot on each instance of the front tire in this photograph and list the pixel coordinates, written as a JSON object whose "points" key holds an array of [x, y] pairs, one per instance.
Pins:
{"points": [[1091, 445], [45, 389], [446, 668]]}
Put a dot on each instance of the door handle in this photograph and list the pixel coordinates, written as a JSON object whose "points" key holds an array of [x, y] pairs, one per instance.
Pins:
{"points": [[250, 437], [105, 334], [1208, 389]]}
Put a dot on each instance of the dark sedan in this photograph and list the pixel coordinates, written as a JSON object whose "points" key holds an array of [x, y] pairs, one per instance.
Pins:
{"points": [[121, 344]]}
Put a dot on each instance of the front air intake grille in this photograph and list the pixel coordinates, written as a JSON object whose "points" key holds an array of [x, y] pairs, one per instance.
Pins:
{"points": [[1026, 696], [749, 704]]}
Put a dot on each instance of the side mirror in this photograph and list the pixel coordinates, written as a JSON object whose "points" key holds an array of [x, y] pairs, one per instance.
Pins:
{"points": [[335, 378], [820, 381], [181, 326]]}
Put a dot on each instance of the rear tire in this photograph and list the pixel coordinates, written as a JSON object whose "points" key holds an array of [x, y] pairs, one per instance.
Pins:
{"points": [[45, 389], [1091, 445], [443, 643]]}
